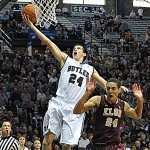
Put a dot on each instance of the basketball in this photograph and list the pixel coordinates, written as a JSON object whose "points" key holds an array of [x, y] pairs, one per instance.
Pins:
{"points": [[30, 11]]}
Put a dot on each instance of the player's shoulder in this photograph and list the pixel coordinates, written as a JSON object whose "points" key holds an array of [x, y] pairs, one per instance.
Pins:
{"points": [[97, 101], [121, 102], [126, 106], [87, 65], [68, 58]]}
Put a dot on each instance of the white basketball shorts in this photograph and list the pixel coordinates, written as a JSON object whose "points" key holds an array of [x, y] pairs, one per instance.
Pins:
{"points": [[60, 120]]}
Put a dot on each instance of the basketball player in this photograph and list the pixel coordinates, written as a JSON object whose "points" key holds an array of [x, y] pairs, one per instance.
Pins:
{"points": [[108, 113], [59, 118]]}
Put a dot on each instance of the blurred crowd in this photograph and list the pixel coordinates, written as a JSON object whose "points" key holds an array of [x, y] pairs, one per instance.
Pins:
{"points": [[27, 83]]}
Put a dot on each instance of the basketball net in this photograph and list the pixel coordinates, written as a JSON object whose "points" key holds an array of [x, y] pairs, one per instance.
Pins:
{"points": [[45, 12]]}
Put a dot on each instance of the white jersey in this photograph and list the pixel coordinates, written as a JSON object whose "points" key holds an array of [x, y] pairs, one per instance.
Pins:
{"points": [[72, 82]]}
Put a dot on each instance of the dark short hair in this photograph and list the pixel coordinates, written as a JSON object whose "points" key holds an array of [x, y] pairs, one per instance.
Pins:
{"points": [[115, 81], [5, 120]]}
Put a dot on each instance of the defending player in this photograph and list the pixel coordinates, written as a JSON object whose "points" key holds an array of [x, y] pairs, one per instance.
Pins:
{"points": [[72, 85], [108, 114]]}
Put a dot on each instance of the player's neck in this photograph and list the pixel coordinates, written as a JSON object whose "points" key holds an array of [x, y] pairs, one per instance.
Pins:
{"points": [[79, 61], [111, 102]]}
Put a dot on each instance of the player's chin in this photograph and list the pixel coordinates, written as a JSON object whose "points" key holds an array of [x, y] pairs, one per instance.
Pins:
{"points": [[75, 57], [111, 98]]}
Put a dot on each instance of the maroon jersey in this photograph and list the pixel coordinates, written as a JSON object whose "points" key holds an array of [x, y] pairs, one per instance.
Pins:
{"points": [[107, 122]]}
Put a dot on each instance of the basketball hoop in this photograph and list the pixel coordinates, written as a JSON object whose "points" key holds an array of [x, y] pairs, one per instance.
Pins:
{"points": [[45, 12]]}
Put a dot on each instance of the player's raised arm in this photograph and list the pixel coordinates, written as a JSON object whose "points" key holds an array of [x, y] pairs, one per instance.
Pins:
{"points": [[136, 112], [84, 105], [101, 81], [60, 56]]}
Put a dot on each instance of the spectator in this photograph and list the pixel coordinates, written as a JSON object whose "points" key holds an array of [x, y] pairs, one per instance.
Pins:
{"points": [[42, 109], [99, 34], [106, 37], [40, 96], [58, 30], [109, 23], [53, 80], [15, 72], [113, 14], [124, 27], [88, 25], [83, 141], [125, 145], [5, 20], [65, 11], [95, 28], [140, 13], [72, 33], [29, 145], [79, 31], [143, 140], [103, 11], [13, 25], [15, 96], [37, 145], [134, 72], [57, 147], [22, 141], [65, 33], [2, 105], [6, 96], [36, 55], [144, 125], [132, 15], [147, 36], [96, 14], [26, 97], [122, 41], [46, 58], [138, 145], [58, 12], [117, 24], [47, 97]]}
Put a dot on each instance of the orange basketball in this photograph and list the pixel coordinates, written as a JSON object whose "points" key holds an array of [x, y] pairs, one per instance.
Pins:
{"points": [[30, 11]]}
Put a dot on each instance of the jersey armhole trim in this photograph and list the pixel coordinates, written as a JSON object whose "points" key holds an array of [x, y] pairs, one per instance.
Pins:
{"points": [[99, 103], [64, 62]]}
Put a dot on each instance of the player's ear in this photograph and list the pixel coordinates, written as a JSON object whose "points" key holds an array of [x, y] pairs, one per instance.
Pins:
{"points": [[84, 54]]}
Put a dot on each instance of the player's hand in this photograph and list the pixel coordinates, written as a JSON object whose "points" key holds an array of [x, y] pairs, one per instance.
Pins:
{"points": [[124, 89], [137, 91], [91, 84], [27, 20]]}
